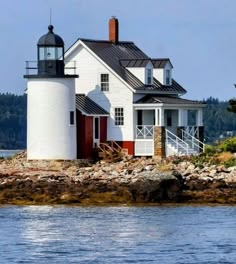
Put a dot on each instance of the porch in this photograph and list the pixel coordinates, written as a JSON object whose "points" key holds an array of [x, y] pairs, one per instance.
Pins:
{"points": [[167, 131], [187, 144]]}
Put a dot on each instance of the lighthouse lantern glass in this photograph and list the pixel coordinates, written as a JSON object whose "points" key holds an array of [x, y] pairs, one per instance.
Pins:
{"points": [[59, 52], [50, 53]]}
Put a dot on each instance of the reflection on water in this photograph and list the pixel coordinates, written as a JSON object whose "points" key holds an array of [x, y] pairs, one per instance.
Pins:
{"points": [[45, 234]]}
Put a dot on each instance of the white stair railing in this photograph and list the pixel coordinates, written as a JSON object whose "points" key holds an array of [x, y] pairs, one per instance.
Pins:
{"points": [[194, 142], [177, 142]]}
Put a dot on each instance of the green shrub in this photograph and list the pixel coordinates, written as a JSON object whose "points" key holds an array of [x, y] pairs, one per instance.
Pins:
{"points": [[211, 150], [230, 163], [228, 145]]}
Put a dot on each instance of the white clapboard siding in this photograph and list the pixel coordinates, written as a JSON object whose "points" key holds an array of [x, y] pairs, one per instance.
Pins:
{"points": [[119, 95]]}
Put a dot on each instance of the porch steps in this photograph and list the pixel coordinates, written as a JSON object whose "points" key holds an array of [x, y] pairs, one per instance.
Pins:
{"points": [[181, 150], [110, 151], [178, 146]]}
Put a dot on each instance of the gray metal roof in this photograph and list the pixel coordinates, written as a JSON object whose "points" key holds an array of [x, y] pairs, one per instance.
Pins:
{"points": [[134, 62], [51, 39], [160, 63], [115, 55], [88, 106], [157, 63], [154, 99], [174, 87]]}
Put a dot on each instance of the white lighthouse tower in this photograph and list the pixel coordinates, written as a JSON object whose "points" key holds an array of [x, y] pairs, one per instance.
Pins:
{"points": [[51, 110]]}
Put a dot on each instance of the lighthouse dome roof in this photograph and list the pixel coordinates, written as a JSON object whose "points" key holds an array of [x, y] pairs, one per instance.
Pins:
{"points": [[51, 39]]}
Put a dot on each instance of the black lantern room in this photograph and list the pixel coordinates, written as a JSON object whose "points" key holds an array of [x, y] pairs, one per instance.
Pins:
{"points": [[50, 54]]}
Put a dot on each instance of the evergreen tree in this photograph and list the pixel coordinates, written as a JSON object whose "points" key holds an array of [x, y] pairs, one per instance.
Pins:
{"points": [[232, 104]]}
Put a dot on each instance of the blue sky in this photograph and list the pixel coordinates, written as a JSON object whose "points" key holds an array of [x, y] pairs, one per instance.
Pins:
{"points": [[199, 36]]}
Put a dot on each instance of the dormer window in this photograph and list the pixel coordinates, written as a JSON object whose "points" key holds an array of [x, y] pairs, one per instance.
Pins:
{"points": [[168, 77], [149, 76], [162, 71]]}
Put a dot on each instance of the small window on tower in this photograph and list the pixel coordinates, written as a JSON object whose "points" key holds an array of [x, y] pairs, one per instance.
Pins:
{"points": [[72, 117], [104, 82]]}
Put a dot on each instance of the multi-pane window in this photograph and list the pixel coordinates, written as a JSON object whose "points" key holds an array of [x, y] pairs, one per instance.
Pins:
{"points": [[149, 76], [104, 82], [168, 81], [119, 116]]}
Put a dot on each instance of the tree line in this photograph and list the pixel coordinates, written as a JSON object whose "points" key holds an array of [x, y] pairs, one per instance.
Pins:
{"points": [[12, 121], [219, 122]]}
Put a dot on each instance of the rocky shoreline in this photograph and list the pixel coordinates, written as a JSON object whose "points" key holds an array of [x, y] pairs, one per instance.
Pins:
{"points": [[130, 181]]}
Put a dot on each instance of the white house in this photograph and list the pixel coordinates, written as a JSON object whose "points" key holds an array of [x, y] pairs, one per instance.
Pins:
{"points": [[140, 103], [121, 95]]}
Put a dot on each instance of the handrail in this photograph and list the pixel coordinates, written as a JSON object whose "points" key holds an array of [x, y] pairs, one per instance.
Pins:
{"points": [[109, 152], [200, 144], [32, 66], [177, 141], [115, 145], [103, 146]]}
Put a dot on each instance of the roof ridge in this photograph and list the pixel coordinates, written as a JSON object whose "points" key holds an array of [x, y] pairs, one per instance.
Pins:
{"points": [[160, 58], [105, 41]]}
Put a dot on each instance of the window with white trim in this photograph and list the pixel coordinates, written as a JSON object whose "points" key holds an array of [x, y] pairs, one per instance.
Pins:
{"points": [[104, 82], [168, 77], [119, 116]]}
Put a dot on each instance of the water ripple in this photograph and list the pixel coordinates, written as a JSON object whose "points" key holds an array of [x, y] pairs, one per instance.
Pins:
{"points": [[173, 235]]}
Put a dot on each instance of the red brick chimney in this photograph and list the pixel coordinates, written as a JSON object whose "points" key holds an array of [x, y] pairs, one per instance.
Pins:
{"points": [[114, 30]]}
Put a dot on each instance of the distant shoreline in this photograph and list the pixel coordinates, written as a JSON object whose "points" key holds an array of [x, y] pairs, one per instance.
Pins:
{"points": [[9, 152]]}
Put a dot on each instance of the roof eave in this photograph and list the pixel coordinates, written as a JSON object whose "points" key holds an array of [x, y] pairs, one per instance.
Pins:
{"points": [[142, 105], [188, 105], [96, 115], [154, 105], [165, 59], [72, 48], [159, 92]]}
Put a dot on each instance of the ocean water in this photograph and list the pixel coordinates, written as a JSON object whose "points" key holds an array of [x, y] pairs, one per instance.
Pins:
{"points": [[8, 153], [154, 234]]}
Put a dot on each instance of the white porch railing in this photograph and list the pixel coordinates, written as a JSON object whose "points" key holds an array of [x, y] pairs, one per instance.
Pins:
{"points": [[144, 132], [188, 145], [189, 136], [177, 143]]}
